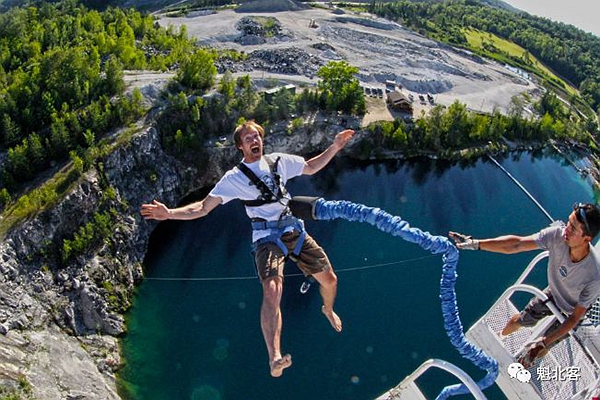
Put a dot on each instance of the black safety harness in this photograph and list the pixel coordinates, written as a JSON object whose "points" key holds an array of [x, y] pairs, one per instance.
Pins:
{"points": [[266, 194]]}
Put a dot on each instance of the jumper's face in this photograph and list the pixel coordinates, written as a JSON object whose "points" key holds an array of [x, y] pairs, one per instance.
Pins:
{"points": [[251, 144]]}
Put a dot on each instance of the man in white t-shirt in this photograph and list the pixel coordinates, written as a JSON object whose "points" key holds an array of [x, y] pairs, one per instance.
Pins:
{"points": [[573, 273], [259, 181]]}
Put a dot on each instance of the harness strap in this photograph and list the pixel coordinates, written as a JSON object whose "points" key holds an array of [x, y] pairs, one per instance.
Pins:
{"points": [[254, 179], [277, 229], [283, 222], [266, 194], [282, 190], [299, 243]]}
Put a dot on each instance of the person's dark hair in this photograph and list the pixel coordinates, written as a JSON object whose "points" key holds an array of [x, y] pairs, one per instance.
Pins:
{"points": [[589, 216], [237, 134]]}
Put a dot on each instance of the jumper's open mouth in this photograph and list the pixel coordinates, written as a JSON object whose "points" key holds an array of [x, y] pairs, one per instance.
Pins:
{"points": [[255, 149]]}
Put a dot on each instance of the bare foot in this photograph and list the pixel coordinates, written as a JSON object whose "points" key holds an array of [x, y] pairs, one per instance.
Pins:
{"points": [[333, 318], [277, 366], [512, 325]]}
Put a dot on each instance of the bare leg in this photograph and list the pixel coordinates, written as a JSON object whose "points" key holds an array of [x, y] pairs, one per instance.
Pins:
{"points": [[328, 289], [270, 322], [512, 325]]}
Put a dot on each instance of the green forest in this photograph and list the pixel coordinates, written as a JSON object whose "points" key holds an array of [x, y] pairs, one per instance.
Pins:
{"points": [[61, 81]]}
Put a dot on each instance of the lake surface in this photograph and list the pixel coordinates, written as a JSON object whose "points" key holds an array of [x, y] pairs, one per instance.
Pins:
{"points": [[190, 339]]}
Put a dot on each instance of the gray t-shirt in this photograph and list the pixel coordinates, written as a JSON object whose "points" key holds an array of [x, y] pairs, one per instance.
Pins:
{"points": [[570, 283]]}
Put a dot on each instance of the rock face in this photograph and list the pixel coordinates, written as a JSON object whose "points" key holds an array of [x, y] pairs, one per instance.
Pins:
{"points": [[59, 320], [52, 311], [56, 366]]}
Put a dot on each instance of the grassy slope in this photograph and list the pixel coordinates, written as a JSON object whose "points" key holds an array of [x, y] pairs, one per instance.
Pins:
{"points": [[507, 49], [45, 193]]}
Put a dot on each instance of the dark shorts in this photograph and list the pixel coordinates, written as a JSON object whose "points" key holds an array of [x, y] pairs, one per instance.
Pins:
{"points": [[536, 310], [270, 259]]}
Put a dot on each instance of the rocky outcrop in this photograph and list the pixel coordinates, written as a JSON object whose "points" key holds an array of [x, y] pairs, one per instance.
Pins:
{"points": [[60, 319], [59, 366]]}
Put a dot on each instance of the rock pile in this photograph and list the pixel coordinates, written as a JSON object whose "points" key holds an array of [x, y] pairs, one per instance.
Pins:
{"points": [[323, 46], [271, 6], [258, 30], [258, 27], [292, 60]]}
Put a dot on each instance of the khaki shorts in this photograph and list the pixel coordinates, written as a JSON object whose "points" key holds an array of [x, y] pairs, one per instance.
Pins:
{"points": [[270, 259]]}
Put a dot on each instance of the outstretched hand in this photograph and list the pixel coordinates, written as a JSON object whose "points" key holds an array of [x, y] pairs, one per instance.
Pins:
{"points": [[464, 242], [342, 138], [156, 210]]}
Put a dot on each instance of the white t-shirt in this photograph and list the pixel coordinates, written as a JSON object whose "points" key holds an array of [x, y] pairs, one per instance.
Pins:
{"points": [[570, 283], [235, 185]]}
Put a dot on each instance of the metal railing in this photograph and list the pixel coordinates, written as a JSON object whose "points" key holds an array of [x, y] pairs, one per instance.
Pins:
{"points": [[446, 366]]}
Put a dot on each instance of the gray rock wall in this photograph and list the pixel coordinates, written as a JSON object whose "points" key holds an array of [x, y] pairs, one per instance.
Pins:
{"points": [[59, 329]]}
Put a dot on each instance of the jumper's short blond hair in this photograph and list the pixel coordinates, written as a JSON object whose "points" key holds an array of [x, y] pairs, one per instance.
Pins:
{"points": [[237, 134]]}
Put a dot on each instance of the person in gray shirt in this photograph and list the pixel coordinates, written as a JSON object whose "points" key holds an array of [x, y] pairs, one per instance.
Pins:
{"points": [[573, 273]]}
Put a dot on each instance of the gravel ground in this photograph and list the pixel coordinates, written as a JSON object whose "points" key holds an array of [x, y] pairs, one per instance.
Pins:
{"points": [[382, 50]]}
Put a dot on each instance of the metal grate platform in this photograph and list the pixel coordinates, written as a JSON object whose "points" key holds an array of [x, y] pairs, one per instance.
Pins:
{"points": [[410, 392], [566, 372]]}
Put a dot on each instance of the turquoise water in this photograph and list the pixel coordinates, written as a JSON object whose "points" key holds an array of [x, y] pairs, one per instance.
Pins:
{"points": [[202, 339]]}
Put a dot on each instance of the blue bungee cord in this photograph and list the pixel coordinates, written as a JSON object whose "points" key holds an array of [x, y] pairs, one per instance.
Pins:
{"points": [[321, 209]]}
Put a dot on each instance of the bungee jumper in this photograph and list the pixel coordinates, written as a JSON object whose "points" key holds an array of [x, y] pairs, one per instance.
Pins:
{"points": [[259, 181]]}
